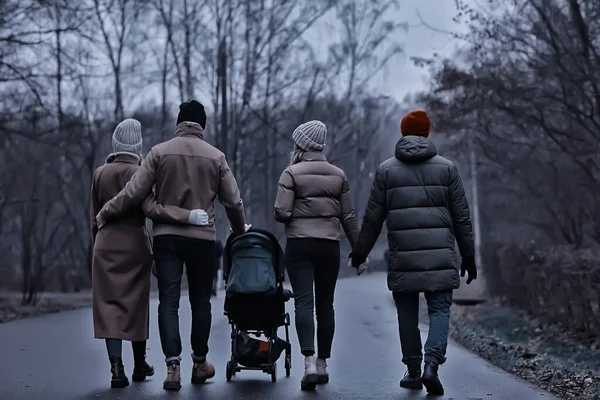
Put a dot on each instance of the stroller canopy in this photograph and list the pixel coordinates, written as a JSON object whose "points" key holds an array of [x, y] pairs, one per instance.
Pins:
{"points": [[252, 262]]}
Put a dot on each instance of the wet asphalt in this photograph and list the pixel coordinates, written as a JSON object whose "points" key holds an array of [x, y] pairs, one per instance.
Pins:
{"points": [[56, 357]]}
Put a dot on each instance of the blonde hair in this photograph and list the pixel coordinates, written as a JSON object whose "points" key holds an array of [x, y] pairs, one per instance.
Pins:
{"points": [[296, 155]]}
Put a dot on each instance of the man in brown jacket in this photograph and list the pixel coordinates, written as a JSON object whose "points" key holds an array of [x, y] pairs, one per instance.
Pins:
{"points": [[188, 173]]}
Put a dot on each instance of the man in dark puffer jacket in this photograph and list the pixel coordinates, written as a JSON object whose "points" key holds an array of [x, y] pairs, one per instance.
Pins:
{"points": [[420, 196]]}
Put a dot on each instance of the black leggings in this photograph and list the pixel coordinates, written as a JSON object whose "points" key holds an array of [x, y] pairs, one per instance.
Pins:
{"points": [[308, 262], [114, 347]]}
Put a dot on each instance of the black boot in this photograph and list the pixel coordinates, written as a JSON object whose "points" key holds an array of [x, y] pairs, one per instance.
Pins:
{"points": [[119, 379], [141, 369], [412, 378], [431, 380]]}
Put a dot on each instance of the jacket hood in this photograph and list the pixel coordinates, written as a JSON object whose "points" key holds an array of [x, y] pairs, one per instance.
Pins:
{"points": [[414, 149]]}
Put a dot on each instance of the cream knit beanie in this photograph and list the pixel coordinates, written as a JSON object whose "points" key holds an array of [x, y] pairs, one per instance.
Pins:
{"points": [[127, 137]]}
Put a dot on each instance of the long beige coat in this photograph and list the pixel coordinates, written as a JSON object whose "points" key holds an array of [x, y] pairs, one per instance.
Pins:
{"points": [[122, 259]]}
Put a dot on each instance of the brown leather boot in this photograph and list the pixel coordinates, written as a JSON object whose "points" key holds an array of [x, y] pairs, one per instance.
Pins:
{"points": [[201, 372], [119, 379], [173, 379]]}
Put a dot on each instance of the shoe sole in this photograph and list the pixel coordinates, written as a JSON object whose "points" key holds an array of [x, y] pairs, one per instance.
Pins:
{"points": [[322, 379], [172, 386], [141, 377], [433, 387], [416, 386], [118, 384], [200, 381], [309, 382]]}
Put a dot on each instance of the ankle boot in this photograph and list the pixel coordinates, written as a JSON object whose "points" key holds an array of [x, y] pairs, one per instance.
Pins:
{"points": [[141, 370], [201, 372], [119, 379], [173, 380], [322, 374], [310, 378], [412, 378], [431, 380]]}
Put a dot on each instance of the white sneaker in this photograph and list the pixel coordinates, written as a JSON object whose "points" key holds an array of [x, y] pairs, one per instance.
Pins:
{"points": [[322, 374], [310, 378]]}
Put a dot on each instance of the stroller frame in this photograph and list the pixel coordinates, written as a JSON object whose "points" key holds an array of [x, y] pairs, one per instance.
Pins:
{"points": [[272, 333], [271, 368]]}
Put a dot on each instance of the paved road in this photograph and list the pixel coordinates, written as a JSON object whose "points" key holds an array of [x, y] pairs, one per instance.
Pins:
{"points": [[55, 357]]}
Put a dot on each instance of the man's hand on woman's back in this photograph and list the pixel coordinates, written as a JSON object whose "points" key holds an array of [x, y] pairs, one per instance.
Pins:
{"points": [[198, 217]]}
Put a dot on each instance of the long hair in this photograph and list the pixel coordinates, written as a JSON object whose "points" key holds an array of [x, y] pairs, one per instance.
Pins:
{"points": [[296, 155]]}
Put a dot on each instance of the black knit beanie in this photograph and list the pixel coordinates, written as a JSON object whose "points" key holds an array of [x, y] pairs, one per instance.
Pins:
{"points": [[192, 111]]}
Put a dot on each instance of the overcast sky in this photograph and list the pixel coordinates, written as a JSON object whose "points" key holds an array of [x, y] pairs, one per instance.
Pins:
{"points": [[403, 77]]}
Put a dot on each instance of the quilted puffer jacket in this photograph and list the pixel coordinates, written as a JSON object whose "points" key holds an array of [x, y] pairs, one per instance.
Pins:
{"points": [[420, 196]]}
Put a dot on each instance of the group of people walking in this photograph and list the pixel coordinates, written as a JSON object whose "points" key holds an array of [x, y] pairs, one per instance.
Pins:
{"points": [[418, 194]]}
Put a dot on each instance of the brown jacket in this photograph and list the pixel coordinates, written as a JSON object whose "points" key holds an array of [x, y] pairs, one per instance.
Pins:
{"points": [[313, 197], [188, 173], [122, 257]]}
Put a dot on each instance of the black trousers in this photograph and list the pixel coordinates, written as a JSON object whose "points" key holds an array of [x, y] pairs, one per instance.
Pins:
{"points": [[313, 262], [114, 347], [170, 254]]}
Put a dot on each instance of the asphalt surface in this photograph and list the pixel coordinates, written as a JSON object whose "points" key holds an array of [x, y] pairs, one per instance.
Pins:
{"points": [[56, 357]]}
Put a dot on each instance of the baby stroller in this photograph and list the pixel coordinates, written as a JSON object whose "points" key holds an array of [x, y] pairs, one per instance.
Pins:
{"points": [[253, 272]]}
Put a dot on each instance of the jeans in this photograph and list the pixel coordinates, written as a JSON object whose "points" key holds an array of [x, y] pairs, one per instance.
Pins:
{"points": [[170, 254], [315, 261], [438, 306]]}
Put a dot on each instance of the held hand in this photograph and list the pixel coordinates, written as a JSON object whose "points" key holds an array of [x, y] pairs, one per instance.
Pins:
{"points": [[198, 217], [356, 260], [363, 267], [360, 267], [468, 266]]}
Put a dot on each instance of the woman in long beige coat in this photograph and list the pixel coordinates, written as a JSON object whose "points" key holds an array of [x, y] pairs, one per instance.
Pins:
{"points": [[122, 259]]}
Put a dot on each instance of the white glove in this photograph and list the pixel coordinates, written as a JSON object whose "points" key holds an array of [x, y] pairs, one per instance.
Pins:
{"points": [[361, 268], [198, 217]]}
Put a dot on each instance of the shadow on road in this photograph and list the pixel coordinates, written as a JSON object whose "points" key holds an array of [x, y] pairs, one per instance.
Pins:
{"points": [[242, 388]]}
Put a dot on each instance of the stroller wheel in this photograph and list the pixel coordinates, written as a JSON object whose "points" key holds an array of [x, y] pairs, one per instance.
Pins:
{"points": [[230, 370], [274, 372], [288, 365]]}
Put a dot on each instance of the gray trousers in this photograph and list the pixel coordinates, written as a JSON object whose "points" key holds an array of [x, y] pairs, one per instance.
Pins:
{"points": [[438, 306]]}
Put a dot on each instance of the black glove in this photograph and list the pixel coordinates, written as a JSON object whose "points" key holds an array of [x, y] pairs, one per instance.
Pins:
{"points": [[357, 259], [468, 265]]}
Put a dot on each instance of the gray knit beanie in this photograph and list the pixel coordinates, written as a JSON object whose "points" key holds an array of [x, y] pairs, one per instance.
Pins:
{"points": [[127, 137], [310, 136]]}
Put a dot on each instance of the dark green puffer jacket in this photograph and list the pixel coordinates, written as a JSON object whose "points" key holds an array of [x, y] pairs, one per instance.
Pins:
{"points": [[420, 196]]}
